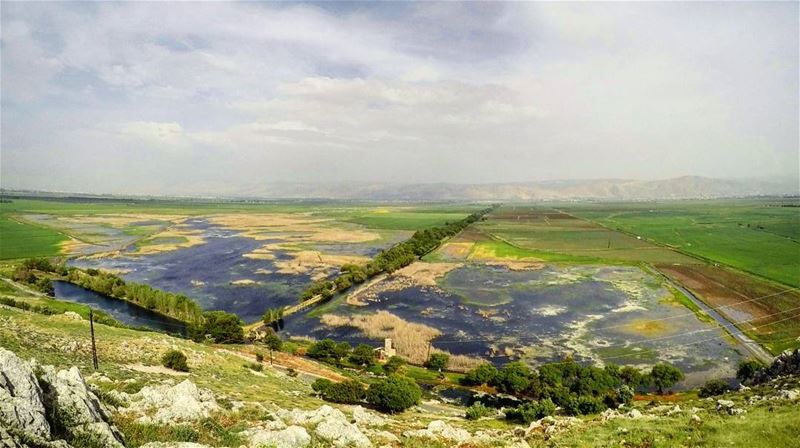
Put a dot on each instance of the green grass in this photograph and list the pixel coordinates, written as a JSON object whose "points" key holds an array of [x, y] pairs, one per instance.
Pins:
{"points": [[754, 236], [765, 426], [21, 240]]}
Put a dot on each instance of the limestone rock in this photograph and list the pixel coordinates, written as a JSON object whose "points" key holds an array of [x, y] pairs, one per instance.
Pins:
{"points": [[438, 429], [182, 402], [725, 406], [365, 418], [634, 414], [21, 400], [300, 417], [78, 406], [784, 394], [290, 437], [675, 410], [73, 315], [341, 434]]}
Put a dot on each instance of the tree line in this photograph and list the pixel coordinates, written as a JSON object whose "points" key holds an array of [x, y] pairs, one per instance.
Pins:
{"points": [[177, 306], [392, 259], [576, 389]]}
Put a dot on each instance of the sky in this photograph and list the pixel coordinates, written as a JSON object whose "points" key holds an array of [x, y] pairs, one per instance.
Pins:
{"points": [[205, 98]]}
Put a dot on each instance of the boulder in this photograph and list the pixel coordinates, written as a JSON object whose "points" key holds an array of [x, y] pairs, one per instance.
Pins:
{"points": [[609, 414], [675, 410], [364, 418], [784, 394], [300, 417], [72, 315], [634, 414], [182, 402], [448, 432], [77, 408], [290, 437], [21, 398], [725, 406], [341, 434]]}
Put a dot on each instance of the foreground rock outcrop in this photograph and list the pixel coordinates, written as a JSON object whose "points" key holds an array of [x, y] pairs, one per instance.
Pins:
{"points": [[41, 406]]}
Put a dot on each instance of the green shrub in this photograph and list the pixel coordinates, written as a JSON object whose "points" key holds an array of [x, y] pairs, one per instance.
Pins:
{"points": [[257, 367], [476, 411], [394, 394], [747, 370], [320, 385], [713, 388], [590, 405], [438, 361], [483, 374], [363, 355], [346, 392], [175, 360], [531, 411], [513, 378], [393, 365], [259, 357]]}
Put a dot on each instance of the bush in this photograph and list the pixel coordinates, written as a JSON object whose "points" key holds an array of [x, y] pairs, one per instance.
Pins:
{"points": [[747, 370], [476, 411], [320, 385], [346, 392], [254, 366], [363, 355], [513, 378], [437, 361], [713, 387], [590, 405], [175, 360], [328, 351], [393, 365], [483, 374], [259, 357], [531, 411], [394, 394]]}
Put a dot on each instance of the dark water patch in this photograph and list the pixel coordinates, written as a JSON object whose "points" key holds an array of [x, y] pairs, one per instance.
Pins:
{"points": [[205, 272], [121, 310]]}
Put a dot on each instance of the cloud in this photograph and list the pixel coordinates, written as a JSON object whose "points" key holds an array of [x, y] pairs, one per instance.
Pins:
{"points": [[186, 97]]}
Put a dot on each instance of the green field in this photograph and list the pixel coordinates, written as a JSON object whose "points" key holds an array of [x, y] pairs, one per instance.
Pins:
{"points": [[760, 237], [20, 240]]}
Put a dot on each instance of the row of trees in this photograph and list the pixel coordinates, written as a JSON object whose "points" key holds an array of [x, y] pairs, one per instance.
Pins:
{"points": [[392, 259], [31, 273], [169, 304], [576, 389]]}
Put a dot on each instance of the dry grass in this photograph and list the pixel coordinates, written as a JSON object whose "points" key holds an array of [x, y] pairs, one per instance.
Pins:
{"points": [[298, 227], [425, 274], [410, 339]]}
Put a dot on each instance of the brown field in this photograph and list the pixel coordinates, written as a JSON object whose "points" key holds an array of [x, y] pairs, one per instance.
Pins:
{"points": [[744, 297]]}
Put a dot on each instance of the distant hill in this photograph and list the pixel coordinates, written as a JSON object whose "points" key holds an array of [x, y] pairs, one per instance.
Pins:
{"points": [[686, 187]]}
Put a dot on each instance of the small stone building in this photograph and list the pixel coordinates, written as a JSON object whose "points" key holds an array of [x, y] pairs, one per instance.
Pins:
{"points": [[387, 351]]}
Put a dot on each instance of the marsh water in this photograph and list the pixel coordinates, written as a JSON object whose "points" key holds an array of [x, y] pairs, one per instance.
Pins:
{"points": [[125, 312], [616, 314]]}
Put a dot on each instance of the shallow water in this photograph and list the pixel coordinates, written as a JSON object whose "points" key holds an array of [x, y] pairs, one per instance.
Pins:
{"points": [[125, 312], [597, 314]]}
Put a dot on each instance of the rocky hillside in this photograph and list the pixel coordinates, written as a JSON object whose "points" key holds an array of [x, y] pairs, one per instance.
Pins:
{"points": [[50, 397]]}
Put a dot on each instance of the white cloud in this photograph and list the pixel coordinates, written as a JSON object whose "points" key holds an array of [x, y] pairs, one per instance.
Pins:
{"points": [[240, 93]]}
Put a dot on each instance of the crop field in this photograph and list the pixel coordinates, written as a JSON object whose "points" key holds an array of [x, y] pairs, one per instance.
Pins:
{"points": [[770, 312], [760, 237], [19, 239]]}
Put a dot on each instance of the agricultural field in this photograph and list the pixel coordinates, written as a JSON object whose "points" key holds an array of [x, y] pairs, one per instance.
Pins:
{"points": [[20, 239], [760, 237]]}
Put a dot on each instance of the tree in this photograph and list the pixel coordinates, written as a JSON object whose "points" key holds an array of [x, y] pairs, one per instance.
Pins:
{"points": [[346, 392], [393, 365], [483, 374], [513, 378], [394, 394], [631, 376], [664, 375], [438, 361], [272, 315], [747, 370], [175, 360], [531, 411], [363, 355], [224, 328], [273, 342], [476, 411]]}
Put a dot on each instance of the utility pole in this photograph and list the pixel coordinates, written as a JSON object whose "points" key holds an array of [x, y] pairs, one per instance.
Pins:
{"points": [[94, 347]]}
